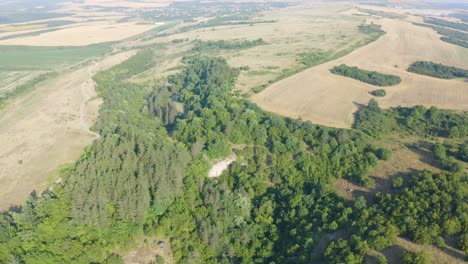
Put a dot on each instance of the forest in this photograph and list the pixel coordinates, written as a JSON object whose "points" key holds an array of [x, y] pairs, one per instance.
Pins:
{"points": [[437, 70], [370, 77], [147, 174]]}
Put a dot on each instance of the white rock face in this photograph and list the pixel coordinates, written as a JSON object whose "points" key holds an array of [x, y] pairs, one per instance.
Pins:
{"points": [[221, 166]]}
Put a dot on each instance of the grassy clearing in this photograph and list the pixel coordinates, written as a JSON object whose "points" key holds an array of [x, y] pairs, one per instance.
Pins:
{"points": [[25, 87], [25, 57], [317, 57], [9, 80]]}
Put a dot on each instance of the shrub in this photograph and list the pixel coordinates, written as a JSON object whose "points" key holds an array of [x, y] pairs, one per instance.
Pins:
{"points": [[379, 93]]}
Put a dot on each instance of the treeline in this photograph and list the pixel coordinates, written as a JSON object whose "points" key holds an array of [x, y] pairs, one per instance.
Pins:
{"points": [[370, 77], [106, 194], [446, 23], [382, 13], [211, 45], [371, 29], [419, 120], [233, 20], [449, 35], [437, 70], [462, 16], [455, 41]]}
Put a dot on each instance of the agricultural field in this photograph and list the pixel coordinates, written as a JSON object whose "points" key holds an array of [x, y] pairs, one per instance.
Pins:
{"points": [[46, 128], [81, 35], [324, 98]]}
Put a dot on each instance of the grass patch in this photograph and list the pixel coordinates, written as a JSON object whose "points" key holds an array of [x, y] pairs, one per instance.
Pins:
{"points": [[258, 73], [226, 45], [8, 96], [316, 57], [27, 57], [382, 13], [216, 22]]}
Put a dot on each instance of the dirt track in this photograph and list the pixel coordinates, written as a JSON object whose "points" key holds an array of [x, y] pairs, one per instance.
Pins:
{"points": [[47, 128]]}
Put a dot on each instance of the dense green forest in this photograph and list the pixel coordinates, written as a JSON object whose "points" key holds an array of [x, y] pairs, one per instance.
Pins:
{"points": [[370, 77], [213, 45], [147, 174], [437, 70]]}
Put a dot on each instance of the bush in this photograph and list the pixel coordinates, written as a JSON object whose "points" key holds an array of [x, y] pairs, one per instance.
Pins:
{"points": [[383, 154], [411, 257], [397, 182], [379, 93]]}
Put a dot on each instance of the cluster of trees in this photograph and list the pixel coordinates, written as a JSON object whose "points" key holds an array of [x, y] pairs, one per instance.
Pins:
{"points": [[455, 41], [148, 174], [446, 161], [371, 29], [437, 70], [456, 37], [446, 23], [370, 77], [379, 93], [419, 120], [211, 45]]}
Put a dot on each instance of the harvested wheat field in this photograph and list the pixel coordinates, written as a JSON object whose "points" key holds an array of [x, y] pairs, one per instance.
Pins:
{"points": [[84, 34], [324, 98], [47, 128]]}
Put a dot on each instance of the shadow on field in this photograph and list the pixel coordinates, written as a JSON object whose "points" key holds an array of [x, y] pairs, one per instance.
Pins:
{"points": [[394, 254]]}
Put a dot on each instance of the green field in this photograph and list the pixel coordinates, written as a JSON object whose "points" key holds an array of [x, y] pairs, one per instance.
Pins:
{"points": [[25, 57]]}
